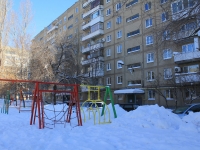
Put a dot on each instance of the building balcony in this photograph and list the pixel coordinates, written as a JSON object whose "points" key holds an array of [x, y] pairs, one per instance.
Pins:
{"points": [[92, 10], [96, 73], [187, 77], [180, 57], [87, 3], [183, 34], [93, 47], [93, 34], [92, 60], [92, 22], [53, 28]]}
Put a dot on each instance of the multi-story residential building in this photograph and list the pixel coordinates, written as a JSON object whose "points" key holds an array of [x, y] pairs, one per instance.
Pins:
{"points": [[135, 48]]}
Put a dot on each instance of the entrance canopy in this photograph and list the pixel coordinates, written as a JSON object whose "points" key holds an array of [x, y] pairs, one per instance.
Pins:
{"points": [[129, 91]]}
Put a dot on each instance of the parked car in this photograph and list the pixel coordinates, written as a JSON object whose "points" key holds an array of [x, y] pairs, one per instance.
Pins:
{"points": [[95, 106], [182, 111]]}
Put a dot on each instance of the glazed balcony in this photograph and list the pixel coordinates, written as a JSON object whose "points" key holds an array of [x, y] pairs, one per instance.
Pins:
{"points": [[181, 57], [187, 77], [93, 34], [87, 14], [93, 47], [92, 60], [92, 22], [87, 3]]}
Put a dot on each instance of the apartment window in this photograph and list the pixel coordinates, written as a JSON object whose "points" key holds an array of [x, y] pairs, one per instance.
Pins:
{"points": [[76, 20], [188, 26], [167, 54], [135, 65], [69, 37], [163, 1], [108, 66], [169, 94], [132, 17], [108, 80], [118, 6], [119, 48], [168, 73], [119, 79], [64, 28], [71, 26], [65, 19], [149, 40], [119, 34], [108, 38], [180, 5], [164, 16], [191, 69], [147, 6], [189, 93], [108, 24], [76, 10], [108, 52], [134, 82], [133, 33], [133, 49], [96, 27], [108, 12], [107, 1], [60, 22], [151, 95], [119, 20], [188, 48], [166, 35], [119, 64], [150, 57], [131, 3], [150, 76], [70, 17], [148, 22], [95, 15]]}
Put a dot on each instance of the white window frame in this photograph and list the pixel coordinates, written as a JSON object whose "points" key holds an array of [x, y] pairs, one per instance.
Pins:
{"points": [[147, 4], [169, 93], [108, 12], [119, 64], [151, 77], [148, 22], [119, 48], [119, 79], [108, 38], [163, 1], [119, 34], [118, 6], [108, 66], [149, 39], [65, 19], [76, 10], [168, 73], [108, 24], [119, 20], [107, 1], [165, 15], [151, 94], [187, 49], [108, 80], [108, 52], [167, 54], [166, 35], [150, 57]]}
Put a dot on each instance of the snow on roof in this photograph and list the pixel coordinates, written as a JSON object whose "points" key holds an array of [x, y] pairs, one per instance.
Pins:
{"points": [[128, 91]]}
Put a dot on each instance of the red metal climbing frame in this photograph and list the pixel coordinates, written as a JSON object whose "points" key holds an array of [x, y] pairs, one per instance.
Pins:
{"points": [[37, 109]]}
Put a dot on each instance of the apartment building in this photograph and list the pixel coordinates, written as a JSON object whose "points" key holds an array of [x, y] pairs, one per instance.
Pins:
{"points": [[133, 47]]}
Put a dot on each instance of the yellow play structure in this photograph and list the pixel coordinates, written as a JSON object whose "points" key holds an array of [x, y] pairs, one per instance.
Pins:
{"points": [[94, 107]]}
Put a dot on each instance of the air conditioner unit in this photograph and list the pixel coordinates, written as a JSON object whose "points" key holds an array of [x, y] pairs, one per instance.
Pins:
{"points": [[177, 69]]}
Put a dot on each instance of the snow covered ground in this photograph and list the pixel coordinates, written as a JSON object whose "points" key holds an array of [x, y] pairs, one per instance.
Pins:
{"points": [[146, 128]]}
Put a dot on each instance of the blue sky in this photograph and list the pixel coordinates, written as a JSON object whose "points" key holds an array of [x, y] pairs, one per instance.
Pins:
{"points": [[45, 11]]}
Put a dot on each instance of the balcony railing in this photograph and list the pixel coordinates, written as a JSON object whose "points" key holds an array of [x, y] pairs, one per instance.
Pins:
{"points": [[93, 34], [92, 60], [53, 28], [87, 3], [92, 22], [92, 10], [183, 34], [93, 47], [187, 77], [184, 57]]}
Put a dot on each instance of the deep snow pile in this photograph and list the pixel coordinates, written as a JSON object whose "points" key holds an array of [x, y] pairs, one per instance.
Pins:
{"points": [[146, 128]]}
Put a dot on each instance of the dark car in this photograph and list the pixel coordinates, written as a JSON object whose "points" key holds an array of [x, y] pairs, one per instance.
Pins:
{"points": [[182, 111]]}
